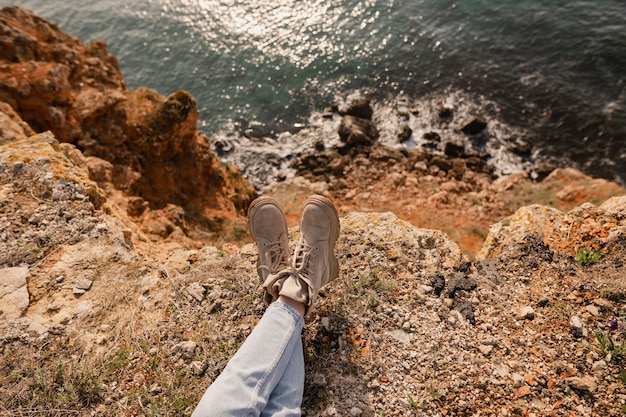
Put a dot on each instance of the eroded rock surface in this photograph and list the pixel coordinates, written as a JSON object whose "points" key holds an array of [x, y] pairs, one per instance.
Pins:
{"points": [[76, 91], [111, 304]]}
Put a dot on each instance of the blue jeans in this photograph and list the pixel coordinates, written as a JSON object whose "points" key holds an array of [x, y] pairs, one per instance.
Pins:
{"points": [[266, 375]]}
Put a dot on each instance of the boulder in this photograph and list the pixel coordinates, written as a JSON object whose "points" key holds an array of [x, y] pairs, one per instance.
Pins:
{"points": [[12, 127], [384, 235], [13, 292], [355, 131], [360, 107], [537, 231], [473, 126], [454, 150]]}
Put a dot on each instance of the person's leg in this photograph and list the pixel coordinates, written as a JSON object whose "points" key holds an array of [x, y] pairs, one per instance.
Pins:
{"points": [[266, 358], [260, 375], [286, 398], [266, 375]]}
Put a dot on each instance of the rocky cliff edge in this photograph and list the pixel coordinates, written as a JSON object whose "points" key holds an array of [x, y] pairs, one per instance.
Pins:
{"points": [[111, 304], [99, 320], [143, 149]]}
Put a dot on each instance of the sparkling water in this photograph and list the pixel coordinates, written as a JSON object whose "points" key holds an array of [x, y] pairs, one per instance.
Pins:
{"points": [[550, 74]]}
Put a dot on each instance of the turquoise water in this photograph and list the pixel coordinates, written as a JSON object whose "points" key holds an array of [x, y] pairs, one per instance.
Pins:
{"points": [[552, 73]]}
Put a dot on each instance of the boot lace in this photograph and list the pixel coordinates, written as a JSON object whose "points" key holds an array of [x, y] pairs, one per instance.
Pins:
{"points": [[275, 259], [304, 260]]}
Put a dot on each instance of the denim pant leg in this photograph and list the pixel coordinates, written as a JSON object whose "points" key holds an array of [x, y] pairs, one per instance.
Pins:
{"points": [[286, 399], [271, 353]]}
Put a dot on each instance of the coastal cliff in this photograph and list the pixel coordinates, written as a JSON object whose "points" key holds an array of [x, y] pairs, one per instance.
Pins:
{"points": [[140, 146], [127, 278]]}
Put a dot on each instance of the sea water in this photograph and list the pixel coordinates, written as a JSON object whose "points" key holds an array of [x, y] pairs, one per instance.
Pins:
{"points": [[546, 74]]}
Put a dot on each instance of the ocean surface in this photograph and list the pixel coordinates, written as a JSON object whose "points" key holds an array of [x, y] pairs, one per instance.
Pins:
{"points": [[549, 77]]}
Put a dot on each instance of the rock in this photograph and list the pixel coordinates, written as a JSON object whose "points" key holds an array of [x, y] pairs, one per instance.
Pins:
{"points": [[400, 335], [485, 349], [445, 113], [473, 126], [197, 368], [599, 366], [187, 350], [517, 380], [432, 137], [467, 311], [460, 281], [14, 297], [361, 108], [454, 150], [83, 309], [196, 291], [526, 313], [100, 170], [592, 309], [603, 304], [544, 302], [521, 236], [459, 167], [82, 287], [438, 283], [355, 131], [432, 140], [12, 127], [534, 233], [521, 391], [537, 404], [404, 132], [441, 162], [355, 412], [426, 289], [330, 411], [151, 142], [585, 383], [576, 326], [137, 206]]}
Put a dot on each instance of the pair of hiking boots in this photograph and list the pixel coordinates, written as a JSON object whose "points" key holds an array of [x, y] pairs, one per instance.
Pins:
{"points": [[313, 264]]}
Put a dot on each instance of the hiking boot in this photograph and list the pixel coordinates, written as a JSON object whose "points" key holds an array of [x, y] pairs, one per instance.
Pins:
{"points": [[269, 230], [314, 261]]}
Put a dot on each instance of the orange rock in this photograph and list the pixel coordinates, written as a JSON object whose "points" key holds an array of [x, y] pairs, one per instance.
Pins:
{"points": [[521, 391], [365, 350], [55, 82]]}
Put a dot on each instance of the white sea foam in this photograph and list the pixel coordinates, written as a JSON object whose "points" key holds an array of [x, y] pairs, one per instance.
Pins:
{"points": [[266, 159]]}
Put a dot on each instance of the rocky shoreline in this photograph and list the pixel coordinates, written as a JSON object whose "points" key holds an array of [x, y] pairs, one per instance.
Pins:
{"points": [[127, 276]]}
